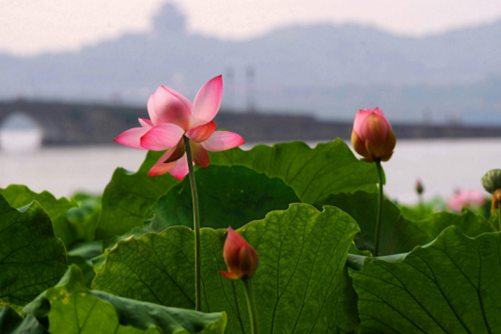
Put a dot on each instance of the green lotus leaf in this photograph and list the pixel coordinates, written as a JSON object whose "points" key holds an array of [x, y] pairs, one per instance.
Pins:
{"points": [[299, 284], [228, 196], [32, 259], [128, 198], [448, 286], [313, 173]]}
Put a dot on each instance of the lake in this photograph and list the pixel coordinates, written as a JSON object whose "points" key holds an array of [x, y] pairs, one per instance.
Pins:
{"points": [[442, 165]]}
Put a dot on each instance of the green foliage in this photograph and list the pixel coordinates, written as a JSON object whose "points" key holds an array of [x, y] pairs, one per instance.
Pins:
{"points": [[299, 280], [12, 323], [99, 312], [397, 233], [228, 196], [422, 210], [439, 273], [19, 196], [313, 173], [85, 216], [128, 198], [164, 319], [31, 257], [73, 220], [468, 222], [76, 312], [72, 308], [449, 286]]}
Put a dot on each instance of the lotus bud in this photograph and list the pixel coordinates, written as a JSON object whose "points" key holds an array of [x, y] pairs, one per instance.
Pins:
{"points": [[419, 187], [492, 180], [372, 136], [240, 257]]}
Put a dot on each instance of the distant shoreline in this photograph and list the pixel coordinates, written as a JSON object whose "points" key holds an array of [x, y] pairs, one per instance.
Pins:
{"points": [[78, 124]]}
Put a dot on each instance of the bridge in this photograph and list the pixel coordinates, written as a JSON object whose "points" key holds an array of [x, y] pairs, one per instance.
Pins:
{"points": [[70, 123]]}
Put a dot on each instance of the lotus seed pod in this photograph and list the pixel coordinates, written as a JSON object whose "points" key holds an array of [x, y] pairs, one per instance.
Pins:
{"points": [[492, 180]]}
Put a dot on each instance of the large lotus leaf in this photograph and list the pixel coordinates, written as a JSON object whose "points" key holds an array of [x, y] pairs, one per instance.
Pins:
{"points": [[227, 196], [128, 198], [421, 211], [82, 313], [469, 223], [397, 233], [313, 173], [85, 217], [146, 315], [448, 286], [31, 257], [12, 323], [69, 307], [97, 312], [299, 284], [20, 195]]}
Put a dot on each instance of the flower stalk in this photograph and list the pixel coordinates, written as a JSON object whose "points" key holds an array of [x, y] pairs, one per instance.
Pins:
{"points": [[419, 190], [496, 205], [241, 263], [196, 224], [499, 217], [379, 207], [186, 132], [373, 138], [251, 305]]}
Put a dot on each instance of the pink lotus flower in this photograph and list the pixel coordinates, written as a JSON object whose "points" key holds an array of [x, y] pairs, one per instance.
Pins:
{"points": [[240, 257], [372, 136], [173, 116], [465, 198]]}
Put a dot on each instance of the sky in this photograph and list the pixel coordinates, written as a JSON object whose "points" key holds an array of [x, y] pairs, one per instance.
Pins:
{"points": [[35, 26]]}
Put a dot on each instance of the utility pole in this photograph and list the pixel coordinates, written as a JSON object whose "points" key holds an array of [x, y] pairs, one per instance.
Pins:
{"points": [[250, 76], [229, 78]]}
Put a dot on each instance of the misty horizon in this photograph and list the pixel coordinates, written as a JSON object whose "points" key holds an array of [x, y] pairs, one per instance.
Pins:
{"points": [[324, 70]]}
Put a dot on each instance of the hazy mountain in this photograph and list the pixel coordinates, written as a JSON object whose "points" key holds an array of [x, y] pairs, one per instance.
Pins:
{"points": [[329, 70]]}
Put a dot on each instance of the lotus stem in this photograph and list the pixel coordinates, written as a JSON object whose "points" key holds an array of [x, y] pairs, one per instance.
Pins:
{"points": [[251, 305], [499, 217], [196, 225], [379, 207]]}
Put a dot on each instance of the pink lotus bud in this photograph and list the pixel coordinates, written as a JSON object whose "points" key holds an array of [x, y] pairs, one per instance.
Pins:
{"points": [[240, 257], [372, 136]]}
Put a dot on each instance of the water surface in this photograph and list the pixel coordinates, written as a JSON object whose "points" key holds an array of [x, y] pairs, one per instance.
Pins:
{"points": [[442, 165]]}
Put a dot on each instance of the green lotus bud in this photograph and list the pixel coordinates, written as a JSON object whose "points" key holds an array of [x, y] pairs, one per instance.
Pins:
{"points": [[492, 180]]}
